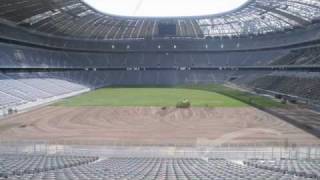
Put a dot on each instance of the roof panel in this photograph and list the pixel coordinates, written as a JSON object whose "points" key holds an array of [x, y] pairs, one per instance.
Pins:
{"points": [[73, 18]]}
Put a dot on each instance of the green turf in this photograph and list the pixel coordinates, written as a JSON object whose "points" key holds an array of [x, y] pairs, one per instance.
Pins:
{"points": [[198, 95], [151, 97], [245, 97]]}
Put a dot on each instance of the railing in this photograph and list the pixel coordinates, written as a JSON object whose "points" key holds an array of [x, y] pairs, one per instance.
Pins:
{"points": [[226, 151]]}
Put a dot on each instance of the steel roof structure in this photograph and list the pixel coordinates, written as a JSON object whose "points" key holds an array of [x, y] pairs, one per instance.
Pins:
{"points": [[74, 18]]}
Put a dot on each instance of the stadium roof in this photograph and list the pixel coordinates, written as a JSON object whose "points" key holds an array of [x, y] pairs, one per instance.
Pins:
{"points": [[74, 18]]}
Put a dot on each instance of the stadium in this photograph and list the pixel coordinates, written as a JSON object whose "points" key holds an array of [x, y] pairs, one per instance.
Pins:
{"points": [[87, 94]]}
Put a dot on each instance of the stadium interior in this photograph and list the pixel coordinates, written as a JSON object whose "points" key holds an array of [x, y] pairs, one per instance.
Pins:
{"points": [[89, 95]]}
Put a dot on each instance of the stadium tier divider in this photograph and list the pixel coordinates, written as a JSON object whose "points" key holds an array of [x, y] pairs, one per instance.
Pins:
{"points": [[226, 151]]}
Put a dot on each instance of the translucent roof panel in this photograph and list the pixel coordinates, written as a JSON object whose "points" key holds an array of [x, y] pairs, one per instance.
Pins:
{"points": [[164, 8]]}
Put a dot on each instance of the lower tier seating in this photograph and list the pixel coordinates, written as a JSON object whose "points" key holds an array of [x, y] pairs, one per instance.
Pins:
{"points": [[301, 84], [159, 169], [19, 165], [20, 88], [303, 168]]}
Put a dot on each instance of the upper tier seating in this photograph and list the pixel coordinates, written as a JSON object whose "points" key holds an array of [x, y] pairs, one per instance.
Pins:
{"points": [[19, 56]]}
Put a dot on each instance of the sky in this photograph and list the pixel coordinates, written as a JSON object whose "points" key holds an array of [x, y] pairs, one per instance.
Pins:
{"points": [[164, 8]]}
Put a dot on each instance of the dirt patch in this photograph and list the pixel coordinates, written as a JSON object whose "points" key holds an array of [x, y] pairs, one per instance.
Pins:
{"points": [[23, 126], [152, 125]]}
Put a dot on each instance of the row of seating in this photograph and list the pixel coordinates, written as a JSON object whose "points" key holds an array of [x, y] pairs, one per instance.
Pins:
{"points": [[19, 165], [307, 56], [160, 169], [302, 84], [12, 56], [16, 89], [303, 168]]}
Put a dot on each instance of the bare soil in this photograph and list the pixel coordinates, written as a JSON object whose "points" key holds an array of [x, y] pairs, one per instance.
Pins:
{"points": [[152, 125]]}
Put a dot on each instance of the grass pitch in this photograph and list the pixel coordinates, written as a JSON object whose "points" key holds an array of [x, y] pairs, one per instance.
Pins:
{"points": [[151, 97], [199, 96], [243, 96]]}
